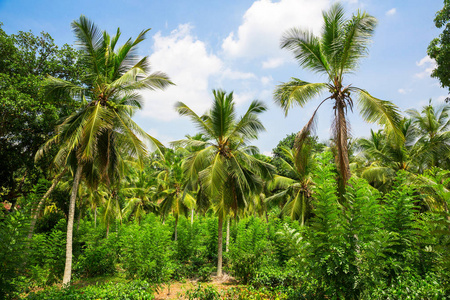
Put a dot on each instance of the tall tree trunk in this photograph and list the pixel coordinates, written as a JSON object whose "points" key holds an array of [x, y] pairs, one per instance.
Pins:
{"points": [[227, 242], [342, 143], [176, 232], [192, 217], [219, 246], [35, 212], [107, 229], [73, 197]]}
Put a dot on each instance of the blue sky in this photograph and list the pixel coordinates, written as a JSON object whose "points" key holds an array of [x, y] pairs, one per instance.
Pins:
{"points": [[233, 45]]}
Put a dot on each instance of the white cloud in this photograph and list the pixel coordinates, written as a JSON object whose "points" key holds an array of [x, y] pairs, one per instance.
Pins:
{"points": [[268, 153], [391, 12], [243, 97], [273, 63], [265, 80], [264, 23], [236, 75], [189, 65], [428, 65], [404, 91]]}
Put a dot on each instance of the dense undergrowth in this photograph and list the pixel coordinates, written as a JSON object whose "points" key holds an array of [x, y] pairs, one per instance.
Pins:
{"points": [[366, 246]]}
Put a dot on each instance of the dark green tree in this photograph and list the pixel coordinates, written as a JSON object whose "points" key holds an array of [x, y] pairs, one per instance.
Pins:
{"points": [[439, 48], [27, 117]]}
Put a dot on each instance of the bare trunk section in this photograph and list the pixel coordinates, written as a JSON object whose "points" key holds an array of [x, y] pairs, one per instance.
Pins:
{"points": [[107, 229], [73, 197], [35, 212], [227, 242], [192, 217], [219, 246], [342, 143]]}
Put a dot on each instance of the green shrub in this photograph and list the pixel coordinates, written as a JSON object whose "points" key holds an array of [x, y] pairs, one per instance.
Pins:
{"points": [[97, 259], [250, 250], [203, 293], [135, 290], [146, 251], [13, 252], [48, 255]]}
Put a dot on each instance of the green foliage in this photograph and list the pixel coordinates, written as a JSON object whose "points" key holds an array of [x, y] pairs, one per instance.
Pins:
{"points": [[193, 259], [48, 255], [146, 251], [250, 250], [206, 292], [134, 290], [330, 260], [439, 48], [27, 117], [97, 259], [13, 251]]}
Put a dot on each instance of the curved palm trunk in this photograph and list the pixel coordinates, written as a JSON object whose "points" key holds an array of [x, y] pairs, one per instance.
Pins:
{"points": [[220, 246], [73, 197], [342, 143], [35, 213]]}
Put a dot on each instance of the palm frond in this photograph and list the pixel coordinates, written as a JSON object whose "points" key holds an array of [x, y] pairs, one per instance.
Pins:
{"points": [[296, 92], [382, 112], [306, 49]]}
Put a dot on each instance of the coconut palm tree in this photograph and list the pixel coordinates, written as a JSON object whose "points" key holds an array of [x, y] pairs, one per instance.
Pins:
{"points": [[384, 157], [172, 193], [140, 193], [432, 124], [101, 133], [223, 165], [295, 191], [335, 54]]}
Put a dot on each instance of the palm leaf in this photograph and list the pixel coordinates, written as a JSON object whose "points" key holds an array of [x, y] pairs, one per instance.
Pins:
{"points": [[296, 92]]}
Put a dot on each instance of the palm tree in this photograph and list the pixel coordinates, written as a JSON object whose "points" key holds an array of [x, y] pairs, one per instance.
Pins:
{"points": [[139, 191], [295, 191], [384, 157], [172, 192], [223, 165], [335, 53], [101, 133], [432, 125]]}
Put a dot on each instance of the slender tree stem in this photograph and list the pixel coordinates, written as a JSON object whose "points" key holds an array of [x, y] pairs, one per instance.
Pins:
{"points": [[73, 197], [220, 246], [227, 242]]}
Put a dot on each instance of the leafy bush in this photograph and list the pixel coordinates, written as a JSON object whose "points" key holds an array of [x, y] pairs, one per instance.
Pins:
{"points": [[203, 293], [146, 250], [13, 250], [135, 290], [97, 259], [48, 253], [250, 250]]}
